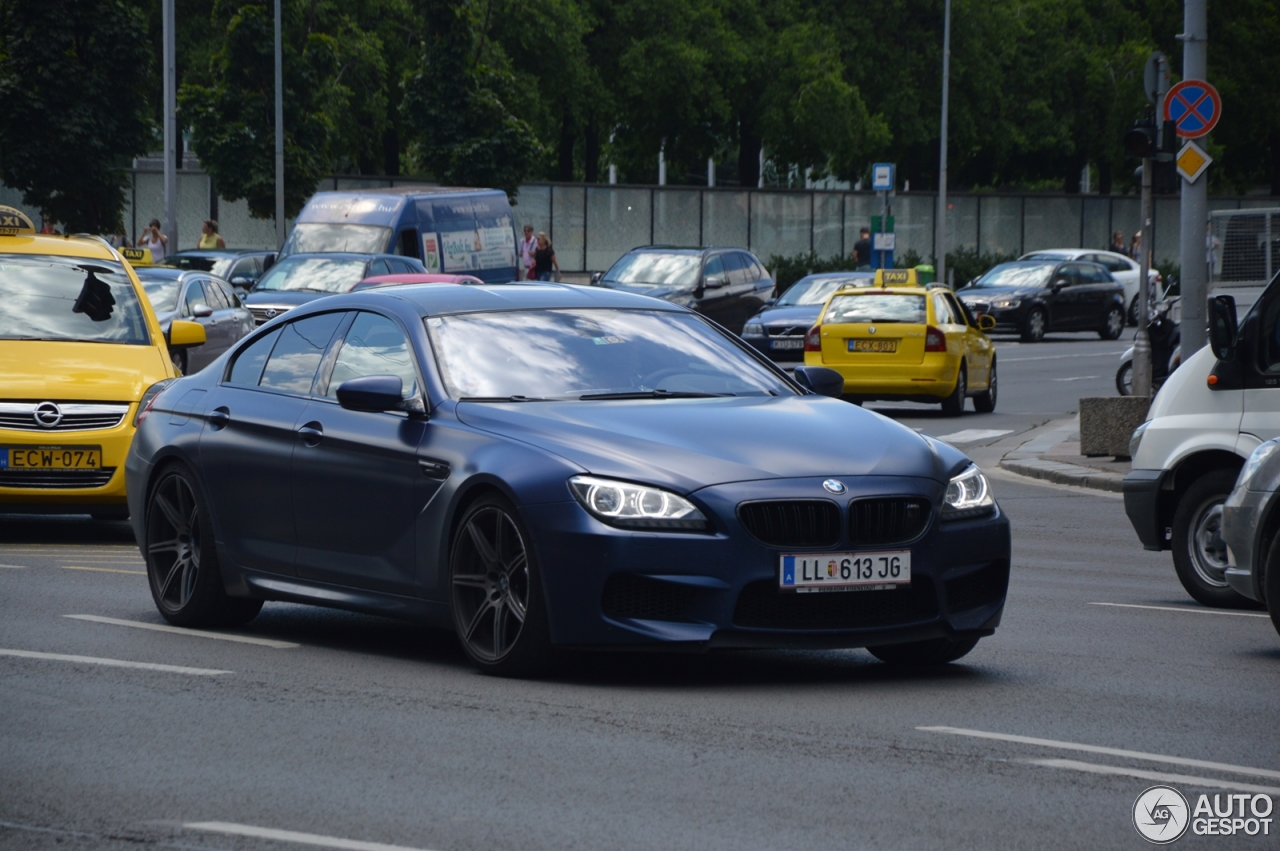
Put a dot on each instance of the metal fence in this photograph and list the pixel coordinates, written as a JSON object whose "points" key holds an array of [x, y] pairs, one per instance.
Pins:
{"points": [[592, 225], [1243, 247]]}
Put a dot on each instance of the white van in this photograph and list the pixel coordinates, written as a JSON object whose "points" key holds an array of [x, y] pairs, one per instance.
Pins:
{"points": [[1203, 424]]}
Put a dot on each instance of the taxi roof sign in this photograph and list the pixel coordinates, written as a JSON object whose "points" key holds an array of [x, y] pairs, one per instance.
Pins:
{"points": [[14, 222], [137, 256], [896, 278]]}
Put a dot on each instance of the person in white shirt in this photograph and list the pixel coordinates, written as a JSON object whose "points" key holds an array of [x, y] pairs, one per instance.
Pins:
{"points": [[154, 240], [528, 245]]}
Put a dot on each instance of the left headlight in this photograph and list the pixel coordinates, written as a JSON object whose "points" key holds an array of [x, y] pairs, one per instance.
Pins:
{"points": [[1257, 458], [635, 506], [1007, 302], [968, 495], [753, 329], [148, 399]]}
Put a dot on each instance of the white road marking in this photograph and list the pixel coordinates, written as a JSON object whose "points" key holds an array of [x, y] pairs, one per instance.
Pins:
{"points": [[969, 435], [1161, 776], [102, 569], [113, 663], [14, 566], [315, 839], [1060, 357], [1076, 378], [1187, 609], [177, 630], [1074, 746]]}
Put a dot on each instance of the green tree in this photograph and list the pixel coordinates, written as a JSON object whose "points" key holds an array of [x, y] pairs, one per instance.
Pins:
{"points": [[73, 111]]}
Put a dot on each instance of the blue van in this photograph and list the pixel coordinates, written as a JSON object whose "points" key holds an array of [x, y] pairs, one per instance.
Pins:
{"points": [[451, 230]]}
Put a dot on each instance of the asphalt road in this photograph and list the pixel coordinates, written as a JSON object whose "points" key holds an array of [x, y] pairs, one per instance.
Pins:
{"points": [[345, 729]]}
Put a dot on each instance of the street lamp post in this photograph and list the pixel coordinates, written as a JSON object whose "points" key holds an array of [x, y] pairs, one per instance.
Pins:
{"points": [[279, 134], [170, 126], [940, 234]]}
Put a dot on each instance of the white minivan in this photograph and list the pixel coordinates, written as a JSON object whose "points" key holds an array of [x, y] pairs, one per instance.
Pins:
{"points": [[1203, 424]]}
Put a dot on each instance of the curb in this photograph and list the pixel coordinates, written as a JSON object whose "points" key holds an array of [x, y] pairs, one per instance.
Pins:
{"points": [[1065, 474]]}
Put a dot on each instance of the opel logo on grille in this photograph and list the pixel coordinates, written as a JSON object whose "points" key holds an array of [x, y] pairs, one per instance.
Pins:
{"points": [[47, 415], [834, 486]]}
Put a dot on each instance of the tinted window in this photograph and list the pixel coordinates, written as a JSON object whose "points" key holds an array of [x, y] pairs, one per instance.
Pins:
{"points": [[247, 267], [876, 307], [296, 357], [757, 271], [378, 267], [1016, 275], [734, 267], [194, 295], [957, 310], [942, 310], [213, 292], [227, 294], [374, 345], [715, 268], [655, 267], [1113, 263], [1094, 275], [248, 366], [67, 298], [358, 239]]}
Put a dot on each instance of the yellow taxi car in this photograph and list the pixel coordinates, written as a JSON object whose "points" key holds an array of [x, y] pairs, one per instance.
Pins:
{"points": [[81, 355], [900, 341]]}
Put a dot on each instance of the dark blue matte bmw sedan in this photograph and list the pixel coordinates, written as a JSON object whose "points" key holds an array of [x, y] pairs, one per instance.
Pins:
{"points": [[545, 466]]}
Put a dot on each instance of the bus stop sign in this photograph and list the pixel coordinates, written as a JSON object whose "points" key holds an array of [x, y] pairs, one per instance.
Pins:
{"points": [[1194, 107]]}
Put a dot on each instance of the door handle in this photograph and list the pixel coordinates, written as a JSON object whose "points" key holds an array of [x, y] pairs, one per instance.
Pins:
{"points": [[311, 433], [219, 417]]}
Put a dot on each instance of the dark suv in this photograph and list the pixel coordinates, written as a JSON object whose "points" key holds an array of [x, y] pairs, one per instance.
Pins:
{"points": [[726, 284], [1033, 297]]}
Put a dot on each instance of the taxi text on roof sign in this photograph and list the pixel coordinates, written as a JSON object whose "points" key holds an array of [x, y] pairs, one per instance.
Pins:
{"points": [[137, 256], [896, 278], [14, 222]]}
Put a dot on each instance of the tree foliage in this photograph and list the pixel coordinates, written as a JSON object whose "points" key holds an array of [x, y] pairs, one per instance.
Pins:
{"points": [[73, 112]]}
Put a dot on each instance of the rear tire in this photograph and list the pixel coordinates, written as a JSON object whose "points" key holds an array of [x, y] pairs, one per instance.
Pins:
{"points": [[953, 405], [1270, 583], [1199, 555], [985, 402], [1124, 379], [934, 651], [1112, 325], [1035, 325]]}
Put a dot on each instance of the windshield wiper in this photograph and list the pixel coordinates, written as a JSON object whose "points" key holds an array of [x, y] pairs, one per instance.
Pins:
{"points": [[516, 398], [654, 394]]}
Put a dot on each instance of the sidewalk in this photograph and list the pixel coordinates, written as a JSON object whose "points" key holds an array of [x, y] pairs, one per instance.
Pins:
{"points": [[1052, 452]]}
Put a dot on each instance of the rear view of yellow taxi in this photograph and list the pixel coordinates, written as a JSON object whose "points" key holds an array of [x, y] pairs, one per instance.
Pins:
{"points": [[897, 341], [81, 354]]}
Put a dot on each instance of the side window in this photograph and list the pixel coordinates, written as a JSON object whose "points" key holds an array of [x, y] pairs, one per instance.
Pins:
{"points": [[247, 368], [228, 294], [374, 345], [1099, 275], [733, 265], [217, 298], [296, 357], [399, 267], [757, 269], [1071, 272], [1113, 263], [957, 312], [941, 312], [408, 243], [378, 267], [195, 295], [714, 268], [1269, 336]]}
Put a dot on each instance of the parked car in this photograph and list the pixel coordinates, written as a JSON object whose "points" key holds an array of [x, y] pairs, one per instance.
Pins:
{"points": [[726, 284], [778, 330], [1034, 297], [542, 465], [1251, 532], [241, 267], [197, 297], [1122, 268], [414, 278], [300, 278]]}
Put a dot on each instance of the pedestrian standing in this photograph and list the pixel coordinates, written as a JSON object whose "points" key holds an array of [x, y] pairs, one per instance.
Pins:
{"points": [[46, 223], [154, 241], [1135, 247], [527, 246], [544, 259], [1117, 243], [209, 237], [862, 249], [1211, 246]]}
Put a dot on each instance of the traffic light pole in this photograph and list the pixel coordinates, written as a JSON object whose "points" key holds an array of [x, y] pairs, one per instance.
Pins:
{"points": [[1194, 213], [1142, 346]]}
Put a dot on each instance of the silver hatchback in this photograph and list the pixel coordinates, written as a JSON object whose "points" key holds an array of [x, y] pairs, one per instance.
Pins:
{"points": [[1251, 529]]}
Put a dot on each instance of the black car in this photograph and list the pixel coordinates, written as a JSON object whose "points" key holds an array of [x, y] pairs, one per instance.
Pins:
{"points": [[300, 278], [778, 330], [242, 267], [725, 284], [1033, 297]]}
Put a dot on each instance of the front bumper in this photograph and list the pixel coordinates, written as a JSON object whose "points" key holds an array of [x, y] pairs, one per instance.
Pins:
{"points": [[1142, 504], [1242, 514], [608, 587], [76, 491]]}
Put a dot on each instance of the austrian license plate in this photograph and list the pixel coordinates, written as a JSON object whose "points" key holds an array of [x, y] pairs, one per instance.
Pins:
{"points": [[51, 458], [786, 344], [845, 571], [873, 345]]}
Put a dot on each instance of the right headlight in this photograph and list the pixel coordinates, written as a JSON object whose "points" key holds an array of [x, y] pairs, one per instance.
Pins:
{"points": [[968, 495], [636, 506], [1135, 440], [1257, 458], [753, 329]]}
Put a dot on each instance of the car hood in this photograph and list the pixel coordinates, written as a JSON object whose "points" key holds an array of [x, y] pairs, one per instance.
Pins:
{"points": [[293, 298], [688, 444], [37, 370], [988, 293], [801, 314]]}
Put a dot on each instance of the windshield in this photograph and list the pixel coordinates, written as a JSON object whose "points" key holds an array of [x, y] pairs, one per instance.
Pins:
{"points": [[1046, 255], [310, 237], [161, 292], [69, 299], [654, 267], [876, 306], [571, 354], [1016, 275], [195, 263], [817, 290], [314, 274]]}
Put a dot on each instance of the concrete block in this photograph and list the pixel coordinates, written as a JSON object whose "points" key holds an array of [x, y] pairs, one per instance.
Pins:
{"points": [[1107, 423]]}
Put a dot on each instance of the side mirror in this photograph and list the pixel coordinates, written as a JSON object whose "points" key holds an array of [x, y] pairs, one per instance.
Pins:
{"points": [[1223, 333], [183, 334], [819, 379], [201, 311], [371, 393], [770, 301], [1060, 283], [241, 281], [595, 278], [714, 283], [986, 322]]}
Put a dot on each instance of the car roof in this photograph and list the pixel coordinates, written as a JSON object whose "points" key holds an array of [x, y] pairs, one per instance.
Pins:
{"points": [[165, 272], [430, 299], [90, 247], [687, 249], [890, 290], [339, 255], [839, 276], [421, 278]]}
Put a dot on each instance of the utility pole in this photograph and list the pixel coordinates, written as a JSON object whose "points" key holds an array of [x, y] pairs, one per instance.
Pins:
{"points": [[280, 223], [1142, 346], [1195, 196], [940, 234], [170, 125]]}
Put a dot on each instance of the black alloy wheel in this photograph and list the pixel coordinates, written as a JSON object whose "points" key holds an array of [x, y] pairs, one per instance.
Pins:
{"points": [[933, 651], [498, 609], [182, 562], [1269, 582], [1035, 325], [953, 405], [1113, 324], [985, 402], [1199, 553]]}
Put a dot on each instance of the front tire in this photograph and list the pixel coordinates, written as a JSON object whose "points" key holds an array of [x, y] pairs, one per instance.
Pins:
{"points": [[1113, 324], [1199, 554], [499, 611], [985, 402], [1124, 379], [1035, 325], [1271, 583], [182, 561], [934, 651], [953, 405]]}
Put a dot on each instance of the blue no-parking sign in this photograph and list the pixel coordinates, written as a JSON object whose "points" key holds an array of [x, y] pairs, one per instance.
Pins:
{"points": [[1194, 107]]}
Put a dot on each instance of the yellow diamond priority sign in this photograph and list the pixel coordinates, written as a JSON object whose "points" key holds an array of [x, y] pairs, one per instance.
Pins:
{"points": [[1192, 161]]}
